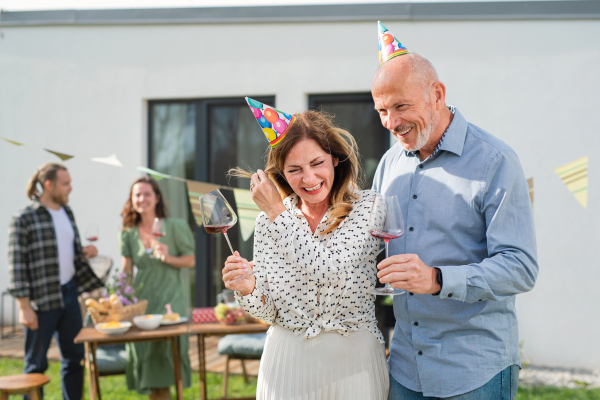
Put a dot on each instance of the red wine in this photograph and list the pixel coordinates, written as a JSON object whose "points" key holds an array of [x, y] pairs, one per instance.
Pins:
{"points": [[216, 228], [384, 235], [159, 234], [92, 238]]}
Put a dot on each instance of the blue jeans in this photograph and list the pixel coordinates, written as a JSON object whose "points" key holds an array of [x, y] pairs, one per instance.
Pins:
{"points": [[63, 324], [501, 387]]}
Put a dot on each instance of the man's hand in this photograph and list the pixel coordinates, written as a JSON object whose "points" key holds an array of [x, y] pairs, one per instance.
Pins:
{"points": [[90, 251], [408, 272], [27, 315]]}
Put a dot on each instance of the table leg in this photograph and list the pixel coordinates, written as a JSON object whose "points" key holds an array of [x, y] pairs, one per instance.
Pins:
{"points": [[202, 366], [177, 366], [89, 367], [95, 369]]}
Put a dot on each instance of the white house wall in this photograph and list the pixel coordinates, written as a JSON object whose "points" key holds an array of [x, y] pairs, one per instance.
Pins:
{"points": [[82, 90]]}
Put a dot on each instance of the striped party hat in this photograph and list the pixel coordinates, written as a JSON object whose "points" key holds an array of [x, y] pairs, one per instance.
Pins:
{"points": [[274, 123], [389, 46]]}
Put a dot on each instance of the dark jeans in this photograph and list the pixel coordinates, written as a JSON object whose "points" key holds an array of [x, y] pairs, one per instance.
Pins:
{"points": [[64, 324], [501, 387]]}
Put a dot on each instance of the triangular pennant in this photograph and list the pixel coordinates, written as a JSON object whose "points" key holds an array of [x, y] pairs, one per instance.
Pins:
{"points": [[195, 190], [157, 176], [110, 160], [575, 176], [389, 46], [530, 184], [273, 122], [62, 156], [247, 211], [12, 141]]}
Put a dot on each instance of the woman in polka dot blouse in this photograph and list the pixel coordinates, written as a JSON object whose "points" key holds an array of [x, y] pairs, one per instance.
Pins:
{"points": [[315, 263]]}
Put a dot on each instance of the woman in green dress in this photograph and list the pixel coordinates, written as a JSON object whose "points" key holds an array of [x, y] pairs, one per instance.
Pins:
{"points": [[150, 365]]}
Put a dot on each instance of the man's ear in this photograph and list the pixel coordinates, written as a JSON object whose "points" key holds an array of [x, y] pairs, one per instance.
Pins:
{"points": [[48, 185], [438, 92]]}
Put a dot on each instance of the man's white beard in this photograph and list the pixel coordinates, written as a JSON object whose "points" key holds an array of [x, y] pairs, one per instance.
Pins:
{"points": [[423, 136]]}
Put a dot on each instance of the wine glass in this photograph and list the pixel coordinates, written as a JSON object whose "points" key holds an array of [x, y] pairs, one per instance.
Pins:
{"points": [[218, 216], [159, 229], [386, 223], [91, 233]]}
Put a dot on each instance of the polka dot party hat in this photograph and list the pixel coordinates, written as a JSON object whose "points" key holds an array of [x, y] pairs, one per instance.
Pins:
{"points": [[274, 123], [389, 46]]}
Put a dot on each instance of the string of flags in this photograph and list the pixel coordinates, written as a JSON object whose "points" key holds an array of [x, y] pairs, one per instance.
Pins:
{"points": [[574, 175], [247, 209]]}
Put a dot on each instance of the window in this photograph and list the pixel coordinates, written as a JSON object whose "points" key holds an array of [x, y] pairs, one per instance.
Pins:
{"points": [[356, 114], [202, 140]]}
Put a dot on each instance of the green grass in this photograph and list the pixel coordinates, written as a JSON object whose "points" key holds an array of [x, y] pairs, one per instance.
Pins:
{"points": [[114, 387], [551, 393]]}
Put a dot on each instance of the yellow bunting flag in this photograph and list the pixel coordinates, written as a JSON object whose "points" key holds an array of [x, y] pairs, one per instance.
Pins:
{"points": [[574, 175], [158, 176], [530, 183], [195, 190], [110, 160], [62, 156], [247, 211], [12, 142]]}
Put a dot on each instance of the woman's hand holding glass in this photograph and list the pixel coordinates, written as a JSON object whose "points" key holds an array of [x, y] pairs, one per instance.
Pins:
{"points": [[265, 195], [161, 251], [234, 267]]}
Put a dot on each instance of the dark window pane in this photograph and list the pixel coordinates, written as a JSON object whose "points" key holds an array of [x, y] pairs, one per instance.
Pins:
{"points": [[356, 114], [172, 151]]}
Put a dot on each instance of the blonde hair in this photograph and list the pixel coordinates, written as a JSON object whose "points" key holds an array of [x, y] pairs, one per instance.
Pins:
{"points": [[47, 172], [348, 174]]}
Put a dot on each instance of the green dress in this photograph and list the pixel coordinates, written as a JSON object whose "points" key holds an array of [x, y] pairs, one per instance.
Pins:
{"points": [[150, 364]]}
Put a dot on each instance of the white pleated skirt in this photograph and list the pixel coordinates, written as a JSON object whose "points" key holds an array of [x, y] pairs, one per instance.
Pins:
{"points": [[327, 367]]}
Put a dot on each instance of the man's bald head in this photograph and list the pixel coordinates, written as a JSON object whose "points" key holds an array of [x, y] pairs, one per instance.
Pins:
{"points": [[410, 101], [409, 68]]}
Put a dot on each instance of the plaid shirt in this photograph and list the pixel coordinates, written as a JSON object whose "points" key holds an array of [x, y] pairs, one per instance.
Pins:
{"points": [[33, 259]]}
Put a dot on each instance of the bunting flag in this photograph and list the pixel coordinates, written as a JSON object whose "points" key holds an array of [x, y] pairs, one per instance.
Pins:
{"points": [[158, 176], [195, 190], [574, 175], [62, 156], [110, 160], [247, 211], [530, 184], [12, 141]]}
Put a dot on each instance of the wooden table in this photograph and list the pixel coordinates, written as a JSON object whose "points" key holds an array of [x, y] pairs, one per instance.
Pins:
{"points": [[90, 337], [204, 330]]}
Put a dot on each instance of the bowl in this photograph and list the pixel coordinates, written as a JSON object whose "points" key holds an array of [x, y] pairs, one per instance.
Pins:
{"points": [[121, 329], [148, 322]]}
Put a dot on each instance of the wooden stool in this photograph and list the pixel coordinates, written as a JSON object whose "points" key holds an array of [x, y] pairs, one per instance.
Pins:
{"points": [[29, 384]]}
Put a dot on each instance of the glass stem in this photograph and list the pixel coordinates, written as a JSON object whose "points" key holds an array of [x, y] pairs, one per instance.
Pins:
{"points": [[387, 242], [228, 242]]}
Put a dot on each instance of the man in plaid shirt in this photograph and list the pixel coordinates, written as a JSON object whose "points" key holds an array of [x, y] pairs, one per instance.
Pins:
{"points": [[48, 270]]}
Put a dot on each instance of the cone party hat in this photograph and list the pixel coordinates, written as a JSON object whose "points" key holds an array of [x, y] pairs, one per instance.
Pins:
{"points": [[389, 46], [274, 123]]}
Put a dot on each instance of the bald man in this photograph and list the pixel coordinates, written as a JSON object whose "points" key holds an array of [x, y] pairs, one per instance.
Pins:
{"points": [[469, 246]]}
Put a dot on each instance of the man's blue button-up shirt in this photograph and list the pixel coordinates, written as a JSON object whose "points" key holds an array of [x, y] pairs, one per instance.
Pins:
{"points": [[466, 211]]}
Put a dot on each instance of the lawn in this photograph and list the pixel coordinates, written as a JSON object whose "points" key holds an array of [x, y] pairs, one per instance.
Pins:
{"points": [[114, 387]]}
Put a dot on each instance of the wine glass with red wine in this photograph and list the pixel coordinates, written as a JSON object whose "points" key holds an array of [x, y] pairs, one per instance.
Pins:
{"points": [[218, 216], [91, 233], [386, 223], [159, 229]]}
